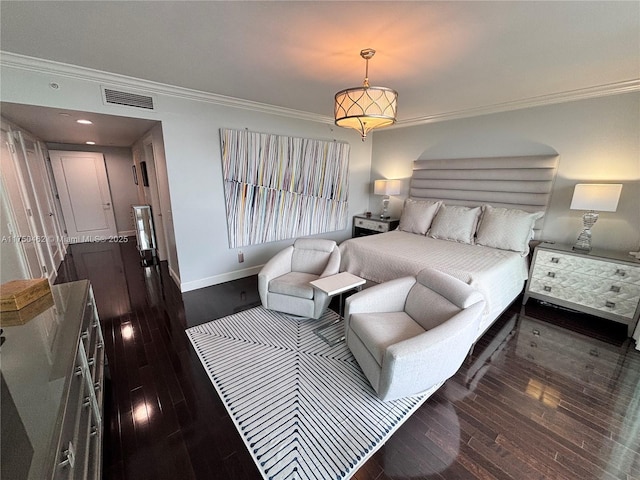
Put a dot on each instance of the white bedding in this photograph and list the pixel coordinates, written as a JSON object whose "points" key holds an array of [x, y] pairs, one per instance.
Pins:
{"points": [[498, 274]]}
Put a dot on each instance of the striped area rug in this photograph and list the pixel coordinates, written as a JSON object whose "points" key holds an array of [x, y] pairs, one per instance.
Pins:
{"points": [[304, 408]]}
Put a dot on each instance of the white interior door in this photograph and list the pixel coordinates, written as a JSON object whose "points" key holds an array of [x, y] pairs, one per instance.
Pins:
{"points": [[17, 221], [152, 198], [85, 197], [19, 186], [36, 169]]}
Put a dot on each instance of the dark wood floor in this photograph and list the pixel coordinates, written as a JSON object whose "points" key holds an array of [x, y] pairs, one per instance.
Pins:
{"points": [[545, 394]]}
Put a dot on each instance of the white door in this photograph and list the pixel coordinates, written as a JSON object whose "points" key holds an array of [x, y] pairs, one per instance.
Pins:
{"points": [[16, 173], [36, 169], [17, 222], [152, 198], [85, 197]]}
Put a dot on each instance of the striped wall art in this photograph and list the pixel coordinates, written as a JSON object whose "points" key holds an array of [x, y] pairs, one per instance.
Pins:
{"points": [[278, 187]]}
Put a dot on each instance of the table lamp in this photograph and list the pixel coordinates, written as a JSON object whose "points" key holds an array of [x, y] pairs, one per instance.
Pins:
{"points": [[591, 197], [386, 188]]}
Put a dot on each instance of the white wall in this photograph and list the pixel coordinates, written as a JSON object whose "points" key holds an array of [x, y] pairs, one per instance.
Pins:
{"points": [[190, 126], [598, 140], [118, 161]]}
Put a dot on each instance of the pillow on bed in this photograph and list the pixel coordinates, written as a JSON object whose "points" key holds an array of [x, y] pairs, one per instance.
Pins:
{"points": [[417, 215], [507, 229], [455, 223]]}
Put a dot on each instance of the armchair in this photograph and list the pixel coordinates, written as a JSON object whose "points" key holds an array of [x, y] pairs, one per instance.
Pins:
{"points": [[283, 282], [412, 333]]}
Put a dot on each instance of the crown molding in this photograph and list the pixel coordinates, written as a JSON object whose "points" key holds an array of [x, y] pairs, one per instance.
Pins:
{"points": [[23, 62], [49, 67], [539, 101]]}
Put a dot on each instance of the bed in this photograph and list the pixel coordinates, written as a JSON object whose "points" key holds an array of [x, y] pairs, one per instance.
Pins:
{"points": [[471, 218]]}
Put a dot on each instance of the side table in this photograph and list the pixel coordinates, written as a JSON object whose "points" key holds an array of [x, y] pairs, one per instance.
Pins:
{"points": [[336, 285]]}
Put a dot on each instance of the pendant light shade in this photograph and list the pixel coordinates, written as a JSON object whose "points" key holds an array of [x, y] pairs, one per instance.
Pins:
{"points": [[365, 108]]}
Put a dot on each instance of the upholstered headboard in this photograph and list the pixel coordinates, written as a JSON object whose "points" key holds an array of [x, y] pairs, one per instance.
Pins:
{"points": [[510, 182]]}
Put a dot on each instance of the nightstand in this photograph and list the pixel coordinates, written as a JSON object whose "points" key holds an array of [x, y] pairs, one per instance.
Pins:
{"points": [[363, 225], [601, 283]]}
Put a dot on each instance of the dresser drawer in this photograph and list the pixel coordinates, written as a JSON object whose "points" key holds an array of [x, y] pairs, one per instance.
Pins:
{"points": [[610, 302], [612, 289], [616, 272]]}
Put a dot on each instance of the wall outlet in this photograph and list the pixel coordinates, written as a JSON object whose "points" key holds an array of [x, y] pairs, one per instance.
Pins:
{"points": [[240, 257]]}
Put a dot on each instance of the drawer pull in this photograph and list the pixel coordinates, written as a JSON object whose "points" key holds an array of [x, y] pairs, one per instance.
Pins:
{"points": [[69, 457], [536, 332], [85, 334], [79, 371], [547, 288], [621, 272], [551, 274], [610, 305], [533, 345], [87, 402], [555, 260], [615, 288], [594, 352]]}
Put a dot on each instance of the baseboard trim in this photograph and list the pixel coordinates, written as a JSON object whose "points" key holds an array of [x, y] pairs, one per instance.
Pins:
{"points": [[216, 279], [174, 275]]}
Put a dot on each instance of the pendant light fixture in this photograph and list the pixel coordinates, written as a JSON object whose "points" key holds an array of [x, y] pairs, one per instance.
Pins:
{"points": [[365, 108]]}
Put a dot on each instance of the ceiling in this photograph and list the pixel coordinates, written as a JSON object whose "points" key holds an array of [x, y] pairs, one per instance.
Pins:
{"points": [[442, 57]]}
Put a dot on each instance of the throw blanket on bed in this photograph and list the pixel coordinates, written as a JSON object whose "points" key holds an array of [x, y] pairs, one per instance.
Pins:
{"points": [[498, 274]]}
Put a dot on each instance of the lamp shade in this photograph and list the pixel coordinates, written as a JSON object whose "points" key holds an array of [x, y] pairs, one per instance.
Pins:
{"points": [[365, 108], [601, 197], [387, 187]]}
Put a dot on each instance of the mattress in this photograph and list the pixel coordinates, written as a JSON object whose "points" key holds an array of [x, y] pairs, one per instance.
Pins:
{"points": [[498, 274]]}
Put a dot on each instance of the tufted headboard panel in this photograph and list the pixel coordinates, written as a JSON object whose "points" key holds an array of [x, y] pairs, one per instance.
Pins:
{"points": [[510, 182]]}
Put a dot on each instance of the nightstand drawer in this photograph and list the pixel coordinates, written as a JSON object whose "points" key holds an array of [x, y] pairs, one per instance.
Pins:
{"points": [[613, 289], [610, 302], [372, 224], [588, 266]]}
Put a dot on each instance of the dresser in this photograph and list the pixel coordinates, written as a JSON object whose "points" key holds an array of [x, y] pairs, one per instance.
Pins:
{"points": [[363, 225], [601, 283], [52, 390]]}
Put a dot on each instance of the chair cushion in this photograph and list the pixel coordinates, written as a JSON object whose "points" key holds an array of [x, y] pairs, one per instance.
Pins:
{"points": [[379, 330], [295, 284], [428, 308]]}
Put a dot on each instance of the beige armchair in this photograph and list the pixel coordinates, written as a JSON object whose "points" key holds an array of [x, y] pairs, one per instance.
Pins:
{"points": [[283, 282], [412, 333]]}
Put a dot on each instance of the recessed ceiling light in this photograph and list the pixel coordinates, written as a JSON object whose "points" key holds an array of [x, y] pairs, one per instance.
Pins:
{"points": [[84, 122], [90, 143]]}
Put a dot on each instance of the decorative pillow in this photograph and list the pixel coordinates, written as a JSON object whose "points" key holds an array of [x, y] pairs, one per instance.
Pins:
{"points": [[507, 229], [417, 215], [455, 223]]}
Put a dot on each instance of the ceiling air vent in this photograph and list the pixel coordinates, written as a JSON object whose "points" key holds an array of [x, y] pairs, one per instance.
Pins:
{"points": [[118, 97]]}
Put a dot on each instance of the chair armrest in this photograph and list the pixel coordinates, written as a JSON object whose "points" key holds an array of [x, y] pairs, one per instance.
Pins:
{"points": [[385, 297], [278, 265], [419, 363]]}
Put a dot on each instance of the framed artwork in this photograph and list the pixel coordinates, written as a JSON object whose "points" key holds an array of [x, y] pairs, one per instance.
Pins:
{"points": [[278, 187]]}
